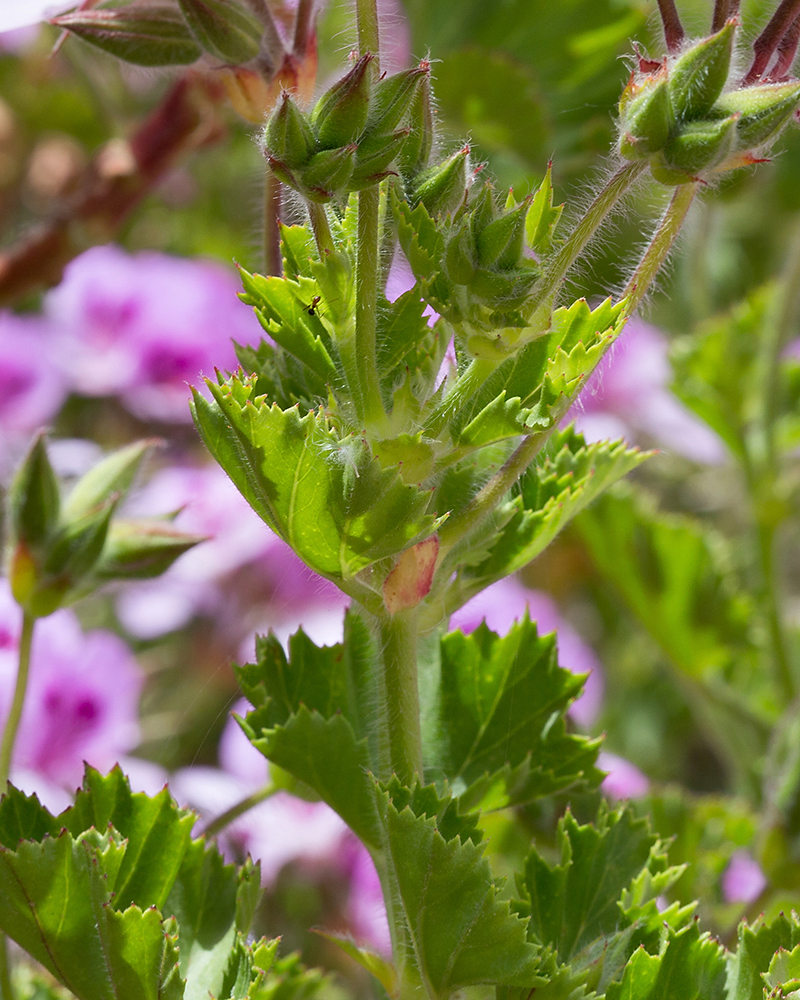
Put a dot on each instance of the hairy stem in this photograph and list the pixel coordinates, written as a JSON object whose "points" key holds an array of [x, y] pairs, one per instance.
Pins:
{"points": [[787, 50], [272, 225], [367, 267], [673, 29], [770, 38], [466, 385], [18, 701], [660, 245], [398, 636], [592, 219], [321, 228], [239, 809]]}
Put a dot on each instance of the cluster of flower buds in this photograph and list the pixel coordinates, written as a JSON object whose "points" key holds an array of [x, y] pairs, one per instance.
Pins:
{"points": [[679, 115], [61, 551], [356, 134]]}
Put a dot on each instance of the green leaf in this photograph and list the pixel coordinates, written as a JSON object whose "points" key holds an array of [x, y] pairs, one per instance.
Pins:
{"points": [[753, 959], [499, 726], [144, 33], [542, 217], [784, 973], [382, 970], [691, 967], [224, 28], [327, 496], [402, 330], [311, 718], [550, 494], [420, 238], [462, 933], [156, 831]]}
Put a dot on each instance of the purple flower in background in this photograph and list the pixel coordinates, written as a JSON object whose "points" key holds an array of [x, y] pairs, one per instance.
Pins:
{"points": [[31, 387], [628, 396], [21, 13], [82, 701], [743, 881], [506, 602], [623, 779], [146, 326], [210, 505]]}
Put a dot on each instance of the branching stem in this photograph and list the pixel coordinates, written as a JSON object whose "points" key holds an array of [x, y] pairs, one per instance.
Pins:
{"points": [[770, 38]]}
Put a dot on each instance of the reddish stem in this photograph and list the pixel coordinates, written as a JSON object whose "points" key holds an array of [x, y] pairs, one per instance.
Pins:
{"points": [[183, 121], [673, 29], [787, 50], [302, 25], [771, 37], [724, 10]]}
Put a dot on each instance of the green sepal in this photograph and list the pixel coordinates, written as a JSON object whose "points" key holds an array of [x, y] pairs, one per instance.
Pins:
{"points": [[224, 28], [34, 499], [142, 32], [697, 77], [499, 721], [763, 111], [462, 933], [500, 243], [442, 188], [699, 146], [374, 157], [459, 258], [288, 136], [326, 495], [110, 479], [392, 98], [419, 236], [141, 550], [340, 115], [542, 217], [416, 152], [783, 975], [327, 174], [646, 120]]}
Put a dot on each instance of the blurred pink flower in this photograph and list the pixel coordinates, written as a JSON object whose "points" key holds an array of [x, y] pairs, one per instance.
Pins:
{"points": [[210, 505], [21, 13], [505, 602], [32, 389], [623, 780], [628, 396], [82, 701], [146, 326], [743, 881]]}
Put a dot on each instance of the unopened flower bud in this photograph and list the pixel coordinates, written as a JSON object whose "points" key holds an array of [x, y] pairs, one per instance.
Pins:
{"points": [[763, 111], [34, 501], [142, 32], [459, 256], [392, 98], [107, 481], [501, 242], [483, 210], [697, 77], [700, 146], [288, 137], [140, 550], [441, 189], [416, 151], [340, 115], [327, 173], [646, 119], [374, 156], [224, 28]]}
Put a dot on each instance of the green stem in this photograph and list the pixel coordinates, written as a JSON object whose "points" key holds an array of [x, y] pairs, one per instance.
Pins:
{"points": [[272, 225], [6, 989], [321, 228], [577, 240], [368, 34], [398, 636], [15, 714], [367, 266], [660, 245], [235, 811]]}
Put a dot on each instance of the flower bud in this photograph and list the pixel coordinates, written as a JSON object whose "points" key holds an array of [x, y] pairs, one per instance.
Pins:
{"points": [[763, 111], [142, 32], [459, 256], [700, 145], [141, 550], [697, 77], [340, 115], [392, 98], [288, 137], [34, 500], [501, 242], [223, 28], [416, 151], [441, 189], [107, 481], [483, 211], [327, 173], [75, 549], [646, 120], [374, 156]]}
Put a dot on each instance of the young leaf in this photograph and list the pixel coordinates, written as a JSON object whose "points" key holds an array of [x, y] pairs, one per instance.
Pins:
{"points": [[754, 956], [462, 933], [325, 495], [542, 217], [500, 726]]}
